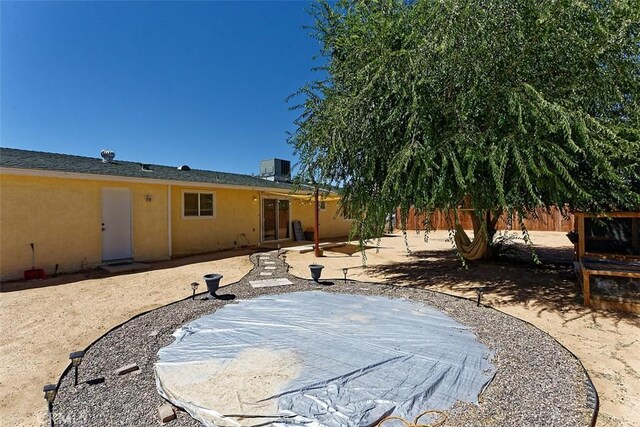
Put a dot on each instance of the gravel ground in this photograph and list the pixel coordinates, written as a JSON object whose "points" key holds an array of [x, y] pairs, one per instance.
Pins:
{"points": [[537, 383]]}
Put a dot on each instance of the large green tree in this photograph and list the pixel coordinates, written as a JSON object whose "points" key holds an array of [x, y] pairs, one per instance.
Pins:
{"points": [[499, 105]]}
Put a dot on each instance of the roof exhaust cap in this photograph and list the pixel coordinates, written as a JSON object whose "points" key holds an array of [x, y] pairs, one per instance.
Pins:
{"points": [[107, 156]]}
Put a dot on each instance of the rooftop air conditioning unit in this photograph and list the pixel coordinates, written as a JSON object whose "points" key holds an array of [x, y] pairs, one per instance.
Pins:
{"points": [[277, 170]]}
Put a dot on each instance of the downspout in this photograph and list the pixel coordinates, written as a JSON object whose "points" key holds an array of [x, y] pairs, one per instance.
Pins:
{"points": [[169, 219], [316, 231], [260, 218]]}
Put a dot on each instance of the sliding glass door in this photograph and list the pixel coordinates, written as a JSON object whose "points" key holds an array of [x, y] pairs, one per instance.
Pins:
{"points": [[275, 219]]}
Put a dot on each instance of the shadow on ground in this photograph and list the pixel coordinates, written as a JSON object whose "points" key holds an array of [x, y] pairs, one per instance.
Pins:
{"points": [[514, 280], [221, 297], [96, 273]]}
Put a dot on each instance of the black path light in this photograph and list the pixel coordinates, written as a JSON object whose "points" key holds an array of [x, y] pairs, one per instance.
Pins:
{"points": [[50, 391], [76, 360], [479, 291], [194, 286], [345, 271]]}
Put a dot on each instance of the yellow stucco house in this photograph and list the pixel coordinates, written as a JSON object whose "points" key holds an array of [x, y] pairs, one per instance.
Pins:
{"points": [[81, 212]]}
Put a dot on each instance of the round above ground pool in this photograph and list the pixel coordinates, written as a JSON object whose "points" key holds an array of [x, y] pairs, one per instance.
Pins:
{"points": [[318, 358]]}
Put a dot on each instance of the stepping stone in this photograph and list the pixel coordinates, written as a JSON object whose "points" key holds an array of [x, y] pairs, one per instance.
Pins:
{"points": [[266, 273], [127, 369], [269, 268], [270, 282], [269, 262], [166, 413]]}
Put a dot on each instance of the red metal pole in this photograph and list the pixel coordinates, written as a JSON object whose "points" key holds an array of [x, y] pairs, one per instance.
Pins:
{"points": [[316, 231]]}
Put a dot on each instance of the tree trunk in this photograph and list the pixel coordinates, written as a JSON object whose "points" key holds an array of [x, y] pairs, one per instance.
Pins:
{"points": [[490, 221]]}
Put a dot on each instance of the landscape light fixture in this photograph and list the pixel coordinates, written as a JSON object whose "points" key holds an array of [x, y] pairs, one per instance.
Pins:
{"points": [[76, 360], [479, 291], [194, 286], [345, 271], [50, 391]]}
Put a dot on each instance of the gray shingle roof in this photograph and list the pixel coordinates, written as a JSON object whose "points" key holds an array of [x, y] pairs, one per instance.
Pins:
{"points": [[38, 160]]}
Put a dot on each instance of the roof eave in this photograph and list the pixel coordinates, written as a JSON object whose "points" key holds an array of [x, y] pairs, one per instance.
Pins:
{"points": [[156, 181]]}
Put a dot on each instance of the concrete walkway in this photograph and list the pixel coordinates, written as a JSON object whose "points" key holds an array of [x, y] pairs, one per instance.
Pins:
{"points": [[267, 271]]}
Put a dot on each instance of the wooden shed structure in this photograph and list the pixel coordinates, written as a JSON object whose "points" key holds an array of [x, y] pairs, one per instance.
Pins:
{"points": [[608, 259]]}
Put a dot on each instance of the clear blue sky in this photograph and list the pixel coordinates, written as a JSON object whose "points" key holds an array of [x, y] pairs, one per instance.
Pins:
{"points": [[197, 83]]}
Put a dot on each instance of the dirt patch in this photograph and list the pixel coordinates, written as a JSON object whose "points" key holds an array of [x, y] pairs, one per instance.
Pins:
{"points": [[255, 373], [348, 249], [41, 326]]}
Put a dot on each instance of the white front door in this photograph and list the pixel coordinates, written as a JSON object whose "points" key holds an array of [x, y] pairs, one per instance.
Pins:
{"points": [[116, 223]]}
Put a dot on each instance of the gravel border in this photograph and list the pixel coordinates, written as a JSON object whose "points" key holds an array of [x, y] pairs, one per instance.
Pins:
{"points": [[538, 382]]}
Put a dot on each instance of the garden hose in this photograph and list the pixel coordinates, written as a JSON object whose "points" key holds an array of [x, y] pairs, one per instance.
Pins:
{"points": [[438, 422]]}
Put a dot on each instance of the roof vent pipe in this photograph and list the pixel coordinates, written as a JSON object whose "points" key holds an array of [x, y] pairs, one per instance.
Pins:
{"points": [[107, 156]]}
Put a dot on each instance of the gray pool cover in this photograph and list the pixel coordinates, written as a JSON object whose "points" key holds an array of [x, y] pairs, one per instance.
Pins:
{"points": [[321, 359]]}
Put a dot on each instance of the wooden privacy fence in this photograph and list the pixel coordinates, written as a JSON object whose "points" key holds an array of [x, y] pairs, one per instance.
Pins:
{"points": [[545, 221]]}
